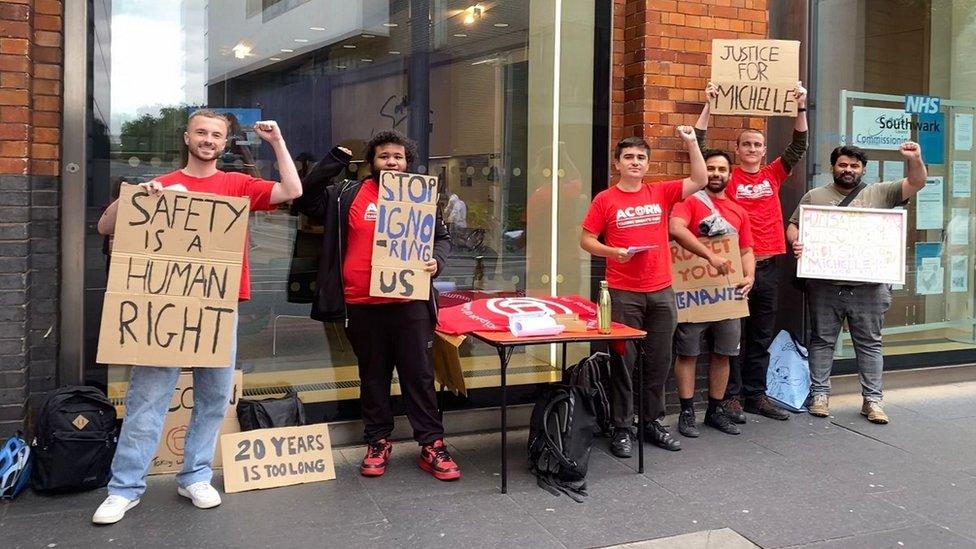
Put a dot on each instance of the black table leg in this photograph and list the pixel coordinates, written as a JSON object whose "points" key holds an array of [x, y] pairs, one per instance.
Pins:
{"points": [[563, 379], [640, 405], [503, 355]]}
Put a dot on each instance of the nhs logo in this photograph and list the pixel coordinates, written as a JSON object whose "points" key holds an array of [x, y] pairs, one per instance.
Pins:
{"points": [[921, 104]]}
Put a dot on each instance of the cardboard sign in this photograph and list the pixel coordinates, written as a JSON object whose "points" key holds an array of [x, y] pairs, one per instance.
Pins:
{"points": [[406, 220], [174, 279], [852, 244], [169, 454], [700, 292], [755, 77], [269, 458]]}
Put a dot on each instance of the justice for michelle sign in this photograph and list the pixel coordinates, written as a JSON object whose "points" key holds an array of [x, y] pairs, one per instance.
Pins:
{"points": [[755, 77]]}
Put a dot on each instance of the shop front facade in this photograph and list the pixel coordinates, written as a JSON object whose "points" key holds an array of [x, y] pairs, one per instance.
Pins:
{"points": [[514, 106]]}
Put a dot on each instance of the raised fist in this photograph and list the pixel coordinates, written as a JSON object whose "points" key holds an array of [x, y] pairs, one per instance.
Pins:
{"points": [[800, 93], [268, 130], [711, 91], [687, 133], [910, 150]]}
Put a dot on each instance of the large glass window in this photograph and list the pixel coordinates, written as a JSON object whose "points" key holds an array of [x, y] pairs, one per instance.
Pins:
{"points": [[498, 95], [871, 54]]}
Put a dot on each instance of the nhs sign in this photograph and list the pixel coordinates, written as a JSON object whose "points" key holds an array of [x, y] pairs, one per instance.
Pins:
{"points": [[921, 104]]}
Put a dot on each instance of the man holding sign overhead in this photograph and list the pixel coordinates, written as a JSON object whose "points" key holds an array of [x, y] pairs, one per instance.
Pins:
{"points": [[862, 304], [151, 388], [755, 186], [384, 241], [631, 219]]}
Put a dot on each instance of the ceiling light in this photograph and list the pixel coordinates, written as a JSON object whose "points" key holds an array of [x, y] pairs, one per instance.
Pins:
{"points": [[301, 40], [366, 60], [501, 25], [241, 50], [349, 46], [286, 50], [316, 28], [274, 58], [340, 66], [460, 35], [472, 14], [368, 36], [390, 25], [394, 52]]}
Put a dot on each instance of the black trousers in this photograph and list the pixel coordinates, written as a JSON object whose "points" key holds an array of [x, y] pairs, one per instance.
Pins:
{"points": [[655, 313], [398, 335], [747, 375]]}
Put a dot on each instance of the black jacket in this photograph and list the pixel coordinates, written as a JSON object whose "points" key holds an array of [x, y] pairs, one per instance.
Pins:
{"points": [[330, 203]]}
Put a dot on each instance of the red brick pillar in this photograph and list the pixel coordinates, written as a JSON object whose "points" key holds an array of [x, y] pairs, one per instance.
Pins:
{"points": [[31, 59], [661, 64]]}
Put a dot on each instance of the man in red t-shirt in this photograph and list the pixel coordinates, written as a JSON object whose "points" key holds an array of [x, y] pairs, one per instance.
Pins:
{"points": [[631, 218], [386, 333], [723, 335], [756, 187], [151, 388]]}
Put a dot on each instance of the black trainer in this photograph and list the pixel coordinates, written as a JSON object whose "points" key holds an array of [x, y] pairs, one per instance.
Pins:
{"points": [[763, 406], [686, 424], [733, 408], [658, 435], [721, 421], [620, 443]]}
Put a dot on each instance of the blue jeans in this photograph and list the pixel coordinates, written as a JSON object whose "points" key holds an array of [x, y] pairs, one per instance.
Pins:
{"points": [[146, 402]]}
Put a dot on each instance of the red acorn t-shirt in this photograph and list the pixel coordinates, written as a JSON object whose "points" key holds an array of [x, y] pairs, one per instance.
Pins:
{"points": [[638, 218], [358, 263], [693, 211], [758, 193], [229, 184]]}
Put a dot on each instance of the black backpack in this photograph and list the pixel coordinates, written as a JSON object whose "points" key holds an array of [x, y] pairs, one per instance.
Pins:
{"points": [[593, 372], [74, 442], [287, 411], [561, 431]]}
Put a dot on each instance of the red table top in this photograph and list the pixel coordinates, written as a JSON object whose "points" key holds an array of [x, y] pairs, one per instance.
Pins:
{"points": [[506, 339]]}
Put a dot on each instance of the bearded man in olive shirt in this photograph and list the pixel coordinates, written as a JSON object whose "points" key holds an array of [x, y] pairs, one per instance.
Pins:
{"points": [[862, 304]]}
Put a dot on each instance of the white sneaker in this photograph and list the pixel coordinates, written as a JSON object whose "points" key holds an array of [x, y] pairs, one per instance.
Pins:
{"points": [[203, 495], [113, 509]]}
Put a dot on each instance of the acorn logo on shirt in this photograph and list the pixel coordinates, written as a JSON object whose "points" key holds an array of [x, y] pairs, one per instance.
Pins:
{"points": [[371, 213], [636, 216], [752, 192]]}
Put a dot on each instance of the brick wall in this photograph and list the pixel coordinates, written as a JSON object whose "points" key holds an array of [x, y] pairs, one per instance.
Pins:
{"points": [[31, 61], [661, 64]]}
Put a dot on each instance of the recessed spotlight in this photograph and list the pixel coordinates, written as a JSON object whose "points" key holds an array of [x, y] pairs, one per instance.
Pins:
{"points": [[274, 58], [286, 50], [501, 25], [394, 52], [316, 28], [390, 25], [460, 35], [301, 40], [349, 46]]}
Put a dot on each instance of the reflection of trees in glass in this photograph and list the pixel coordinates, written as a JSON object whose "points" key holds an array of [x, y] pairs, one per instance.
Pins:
{"points": [[160, 135]]}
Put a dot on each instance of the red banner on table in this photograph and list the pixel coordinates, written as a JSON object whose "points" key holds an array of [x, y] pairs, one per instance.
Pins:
{"points": [[491, 315]]}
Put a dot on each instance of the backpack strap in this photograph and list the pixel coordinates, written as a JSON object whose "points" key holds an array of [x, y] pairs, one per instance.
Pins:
{"points": [[852, 195]]}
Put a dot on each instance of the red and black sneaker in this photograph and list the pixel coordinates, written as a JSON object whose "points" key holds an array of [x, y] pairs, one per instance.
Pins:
{"points": [[377, 455], [435, 459]]}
